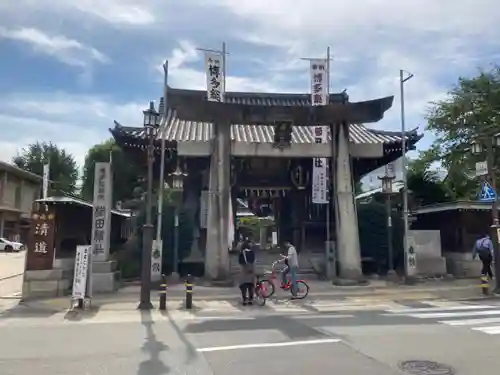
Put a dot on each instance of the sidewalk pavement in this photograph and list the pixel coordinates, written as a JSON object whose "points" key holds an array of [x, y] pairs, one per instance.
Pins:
{"points": [[128, 296]]}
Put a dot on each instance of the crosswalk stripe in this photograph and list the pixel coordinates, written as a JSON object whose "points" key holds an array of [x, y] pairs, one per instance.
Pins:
{"points": [[493, 330], [470, 322], [453, 314], [351, 306], [207, 305], [286, 307], [484, 316], [321, 316], [438, 309]]}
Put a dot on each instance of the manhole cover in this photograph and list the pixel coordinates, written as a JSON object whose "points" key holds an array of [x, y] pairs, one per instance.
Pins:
{"points": [[426, 368]]}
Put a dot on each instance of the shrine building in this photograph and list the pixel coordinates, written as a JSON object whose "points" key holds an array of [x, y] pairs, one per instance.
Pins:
{"points": [[260, 147]]}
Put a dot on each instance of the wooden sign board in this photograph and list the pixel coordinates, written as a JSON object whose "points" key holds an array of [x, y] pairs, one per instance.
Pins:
{"points": [[41, 240]]}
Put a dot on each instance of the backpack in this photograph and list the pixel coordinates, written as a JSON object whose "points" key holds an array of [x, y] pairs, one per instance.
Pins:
{"points": [[246, 257], [482, 248]]}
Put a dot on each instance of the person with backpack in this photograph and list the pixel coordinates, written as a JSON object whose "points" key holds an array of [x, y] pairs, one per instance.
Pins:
{"points": [[484, 248], [246, 260]]}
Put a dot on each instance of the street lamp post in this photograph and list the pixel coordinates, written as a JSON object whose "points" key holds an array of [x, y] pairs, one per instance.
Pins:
{"points": [[387, 191], [477, 147], [151, 126], [177, 185], [402, 80]]}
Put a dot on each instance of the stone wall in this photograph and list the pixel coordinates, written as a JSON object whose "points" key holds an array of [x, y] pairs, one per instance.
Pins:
{"points": [[430, 261]]}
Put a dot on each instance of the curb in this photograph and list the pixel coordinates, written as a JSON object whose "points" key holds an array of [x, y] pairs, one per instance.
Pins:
{"points": [[11, 276]]}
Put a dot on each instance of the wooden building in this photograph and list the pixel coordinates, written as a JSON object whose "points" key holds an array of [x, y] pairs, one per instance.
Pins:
{"points": [[260, 147]]}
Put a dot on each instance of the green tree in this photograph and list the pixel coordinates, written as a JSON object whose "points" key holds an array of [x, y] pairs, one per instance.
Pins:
{"points": [[126, 172], [427, 188], [469, 113], [63, 169]]}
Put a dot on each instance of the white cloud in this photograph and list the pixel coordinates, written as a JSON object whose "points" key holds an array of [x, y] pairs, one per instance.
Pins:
{"points": [[74, 122], [370, 41], [68, 51], [116, 12]]}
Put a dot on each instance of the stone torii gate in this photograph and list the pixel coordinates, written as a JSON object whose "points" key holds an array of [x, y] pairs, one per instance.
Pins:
{"points": [[337, 116]]}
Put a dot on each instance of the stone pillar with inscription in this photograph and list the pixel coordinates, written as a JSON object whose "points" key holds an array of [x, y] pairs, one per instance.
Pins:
{"points": [[346, 218], [103, 270], [217, 251]]}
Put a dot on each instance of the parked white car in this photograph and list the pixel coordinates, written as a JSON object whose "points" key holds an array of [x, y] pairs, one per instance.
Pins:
{"points": [[7, 246]]}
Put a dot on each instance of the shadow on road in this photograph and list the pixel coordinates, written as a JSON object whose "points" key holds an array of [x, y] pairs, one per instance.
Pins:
{"points": [[22, 311], [76, 315], [190, 350], [152, 346]]}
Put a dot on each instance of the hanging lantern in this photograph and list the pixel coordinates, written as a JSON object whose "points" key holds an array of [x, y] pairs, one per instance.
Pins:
{"points": [[299, 177]]}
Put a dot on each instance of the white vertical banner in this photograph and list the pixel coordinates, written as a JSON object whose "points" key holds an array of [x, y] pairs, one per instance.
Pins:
{"points": [[214, 66], [230, 231], [46, 172], [319, 82], [319, 96], [101, 219], [80, 276]]}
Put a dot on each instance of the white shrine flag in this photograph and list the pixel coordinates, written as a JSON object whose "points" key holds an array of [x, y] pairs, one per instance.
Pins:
{"points": [[319, 82], [319, 96], [45, 188], [214, 66]]}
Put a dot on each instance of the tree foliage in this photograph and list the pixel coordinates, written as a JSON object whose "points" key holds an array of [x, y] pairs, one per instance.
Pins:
{"points": [[63, 169], [126, 173], [469, 113], [426, 188]]}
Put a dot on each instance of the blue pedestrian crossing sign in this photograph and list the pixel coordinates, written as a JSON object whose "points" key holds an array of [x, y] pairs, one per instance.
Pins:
{"points": [[487, 193]]}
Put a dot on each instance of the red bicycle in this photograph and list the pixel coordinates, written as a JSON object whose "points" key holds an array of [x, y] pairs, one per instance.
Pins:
{"points": [[266, 286]]}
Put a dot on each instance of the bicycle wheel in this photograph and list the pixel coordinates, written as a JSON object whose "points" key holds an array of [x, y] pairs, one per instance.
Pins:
{"points": [[266, 287], [302, 289]]}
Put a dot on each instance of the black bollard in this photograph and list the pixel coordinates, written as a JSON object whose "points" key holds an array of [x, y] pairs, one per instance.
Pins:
{"points": [[163, 293], [485, 286], [189, 292]]}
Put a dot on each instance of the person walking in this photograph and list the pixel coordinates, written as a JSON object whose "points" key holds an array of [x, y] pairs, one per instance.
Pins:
{"points": [[484, 248], [246, 261], [292, 262]]}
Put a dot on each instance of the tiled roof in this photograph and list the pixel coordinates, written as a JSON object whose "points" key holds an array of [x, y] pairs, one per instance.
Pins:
{"points": [[190, 131], [187, 131]]}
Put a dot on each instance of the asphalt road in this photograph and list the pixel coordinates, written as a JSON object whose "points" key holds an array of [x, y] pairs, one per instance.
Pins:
{"points": [[11, 274], [358, 342]]}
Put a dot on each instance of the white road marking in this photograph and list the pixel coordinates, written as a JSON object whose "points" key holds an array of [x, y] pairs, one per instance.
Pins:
{"points": [[266, 345], [321, 316], [470, 322], [433, 309], [493, 330], [483, 316], [440, 315], [229, 317]]}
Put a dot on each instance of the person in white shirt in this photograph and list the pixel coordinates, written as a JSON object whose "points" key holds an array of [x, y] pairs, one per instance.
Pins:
{"points": [[292, 261]]}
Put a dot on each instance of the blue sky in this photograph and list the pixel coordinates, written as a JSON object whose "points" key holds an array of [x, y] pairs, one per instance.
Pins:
{"points": [[69, 68]]}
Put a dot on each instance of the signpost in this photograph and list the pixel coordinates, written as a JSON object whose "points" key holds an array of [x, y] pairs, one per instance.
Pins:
{"points": [[81, 275], [488, 194], [481, 168], [411, 257], [156, 260]]}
